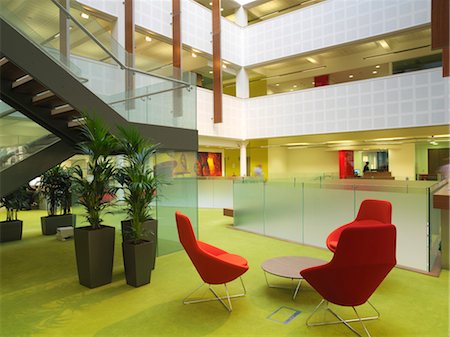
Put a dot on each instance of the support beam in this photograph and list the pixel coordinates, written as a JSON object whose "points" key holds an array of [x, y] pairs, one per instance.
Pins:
{"points": [[440, 24], [445, 62], [217, 62], [64, 33], [129, 48], [177, 72]]}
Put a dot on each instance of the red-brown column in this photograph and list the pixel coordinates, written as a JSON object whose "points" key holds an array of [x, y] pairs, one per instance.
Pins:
{"points": [[440, 12], [217, 64], [176, 57], [129, 47]]}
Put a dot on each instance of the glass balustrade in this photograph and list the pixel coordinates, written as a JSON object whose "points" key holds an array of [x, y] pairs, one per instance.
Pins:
{"points": [[89, 52], [306, 210], [20, 137]]}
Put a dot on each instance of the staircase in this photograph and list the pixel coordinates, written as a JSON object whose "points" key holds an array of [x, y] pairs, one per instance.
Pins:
{"points": [[45, 89]]}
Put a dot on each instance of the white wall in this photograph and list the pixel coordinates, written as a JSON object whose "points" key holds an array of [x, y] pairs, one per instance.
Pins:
{"points": [[399, 101], [329, 23]]}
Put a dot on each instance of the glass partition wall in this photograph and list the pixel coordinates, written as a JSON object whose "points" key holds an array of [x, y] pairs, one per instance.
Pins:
{"points": [[306, 211]]}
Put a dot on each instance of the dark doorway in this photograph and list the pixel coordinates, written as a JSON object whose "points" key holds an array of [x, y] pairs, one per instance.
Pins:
{"points": [[436, 159]]}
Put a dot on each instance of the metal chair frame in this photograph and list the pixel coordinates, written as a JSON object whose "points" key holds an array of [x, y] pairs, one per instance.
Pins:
{"points": [[216, 297], [344, 321]]}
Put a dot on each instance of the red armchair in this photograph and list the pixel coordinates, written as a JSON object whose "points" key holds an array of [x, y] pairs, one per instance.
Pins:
{"points": [[371, 211], [214, 265], [363, 258]]}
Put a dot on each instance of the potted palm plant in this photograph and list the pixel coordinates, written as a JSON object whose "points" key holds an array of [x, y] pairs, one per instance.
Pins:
{"points": [[94, 244], [139, 184], [55, 186], [11, 229]]}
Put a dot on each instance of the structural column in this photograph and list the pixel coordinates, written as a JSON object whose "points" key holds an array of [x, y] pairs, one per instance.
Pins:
{"points": [[64, 33], [440, 27], [241, 17], [217, 61], [129, 48], [177, 106], [243, 158], [242, 84]]}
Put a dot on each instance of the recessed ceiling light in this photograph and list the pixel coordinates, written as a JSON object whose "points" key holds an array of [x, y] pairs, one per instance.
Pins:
{"points": [[225, 62], [350, 76], [384, 44], [195, 50], [295, 85], [148, 39], [84, 15], [374, 72], [291, 90], [311, 60], [221, 9], [210, 71], [277, 84], [194, 55], [377, 66], [224, 66], [313, 83], [433, 142], [210, 3]]}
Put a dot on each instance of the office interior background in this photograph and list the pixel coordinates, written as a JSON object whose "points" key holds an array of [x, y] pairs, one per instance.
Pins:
{"points": [[270, 109]]}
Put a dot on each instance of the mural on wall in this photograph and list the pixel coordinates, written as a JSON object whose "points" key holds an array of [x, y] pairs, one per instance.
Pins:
{"points": [[176, 164], [209, 164]]}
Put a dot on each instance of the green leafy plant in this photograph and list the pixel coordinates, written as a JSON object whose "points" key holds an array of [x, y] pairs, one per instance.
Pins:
{"points": [[137, 179], [56, 187], [94, 191], [14, 202]]}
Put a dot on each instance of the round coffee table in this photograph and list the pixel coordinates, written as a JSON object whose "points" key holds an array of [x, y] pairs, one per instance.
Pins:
{"points": [[289, 267]]}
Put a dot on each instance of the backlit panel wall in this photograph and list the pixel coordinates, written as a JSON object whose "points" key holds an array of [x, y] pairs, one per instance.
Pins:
{"points": [[233, 125], [329, 23], [406, 100]]}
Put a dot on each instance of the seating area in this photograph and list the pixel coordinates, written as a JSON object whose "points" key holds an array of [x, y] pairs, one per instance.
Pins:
{"points": [[40, 290]]}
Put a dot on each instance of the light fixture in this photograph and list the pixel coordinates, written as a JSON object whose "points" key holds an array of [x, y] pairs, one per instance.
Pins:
{"points": [[225, 62], [291, 90], [297, 144], [311, 60], [243, 2], [374, 72], [221, 9], [377, 66], [224, 66], [277, 84], [389, 138], [196, 51], [210, 3], [210, 71], [433, 142], [194, 55], [295, 86], [84, 15], [384, 44], [56, 36], [148, 39], [350, 76], [313, 83]]}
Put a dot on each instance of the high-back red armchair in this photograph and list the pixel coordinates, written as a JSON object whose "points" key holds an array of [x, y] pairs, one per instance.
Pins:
{"points": [[370, 211], [214, 265], [363, 258]]}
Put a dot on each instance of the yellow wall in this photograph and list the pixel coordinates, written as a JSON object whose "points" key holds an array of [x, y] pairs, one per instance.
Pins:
{"points": [[402, 162], [312, 162], [232, 162], [278, 161], [258, 88]]}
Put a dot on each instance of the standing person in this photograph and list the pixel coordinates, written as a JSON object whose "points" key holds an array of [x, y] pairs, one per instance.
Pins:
{"points": [[258, 171], [366, 167]]}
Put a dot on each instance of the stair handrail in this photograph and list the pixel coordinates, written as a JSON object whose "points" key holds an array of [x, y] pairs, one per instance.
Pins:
{"points": [[122, 66]]}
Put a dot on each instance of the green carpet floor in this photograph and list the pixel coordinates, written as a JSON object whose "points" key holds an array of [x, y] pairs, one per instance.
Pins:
{"points": [[40, 294]]}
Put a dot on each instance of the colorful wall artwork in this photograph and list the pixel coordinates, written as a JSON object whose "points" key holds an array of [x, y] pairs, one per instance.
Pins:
{"points": [[209, 164]]}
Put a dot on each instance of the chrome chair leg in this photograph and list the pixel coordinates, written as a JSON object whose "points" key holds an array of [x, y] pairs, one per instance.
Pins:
{"points": [[341, 320], [216, 297]]}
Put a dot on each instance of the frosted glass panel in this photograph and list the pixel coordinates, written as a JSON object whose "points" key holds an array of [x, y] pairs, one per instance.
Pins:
{"points": [[215, 192], [283, 210], [409, 215], [325, 209], [179, 193], [248, 205]]}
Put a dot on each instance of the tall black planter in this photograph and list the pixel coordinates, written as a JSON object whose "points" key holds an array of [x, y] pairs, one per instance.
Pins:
{"points": [[49, 224], [149, 233], [94, 250], [11, 230], [138, 261]]}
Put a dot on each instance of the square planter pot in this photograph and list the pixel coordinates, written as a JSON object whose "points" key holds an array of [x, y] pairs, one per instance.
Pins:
{"points": [[94, 250], [11, 230], [138, 262], [150, 233], [49, 224]]}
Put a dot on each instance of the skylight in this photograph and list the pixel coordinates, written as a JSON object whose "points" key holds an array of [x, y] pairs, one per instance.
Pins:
{"points": [[243, 2]]}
